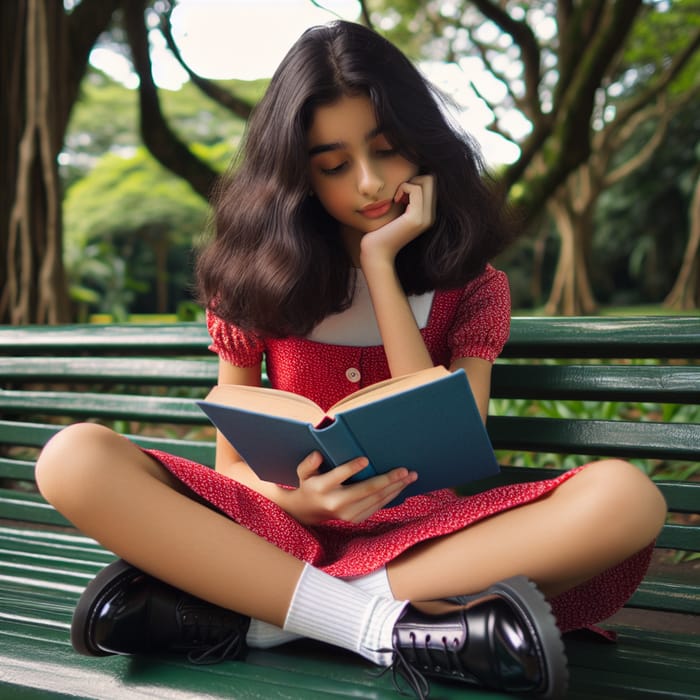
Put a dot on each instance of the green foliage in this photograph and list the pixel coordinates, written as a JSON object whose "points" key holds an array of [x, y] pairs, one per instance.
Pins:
{"points": [[127, 222]]}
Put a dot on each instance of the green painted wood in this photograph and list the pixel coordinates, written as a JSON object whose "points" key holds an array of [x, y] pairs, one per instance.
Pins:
{"points": [[154, 409], [663, 384], [21, 470], [686, 537], [596, 437], [43, 572], [15, 505], [670, 595], [604, 337], [94, 339], [109, 370], [681, 496]]}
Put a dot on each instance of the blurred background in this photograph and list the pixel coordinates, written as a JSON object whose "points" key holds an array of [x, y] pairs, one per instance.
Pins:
{"points": [[118, 115]]}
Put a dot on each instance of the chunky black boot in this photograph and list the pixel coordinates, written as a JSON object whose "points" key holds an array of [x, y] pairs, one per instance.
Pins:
{"points": [[502, 639], [125, 611]]}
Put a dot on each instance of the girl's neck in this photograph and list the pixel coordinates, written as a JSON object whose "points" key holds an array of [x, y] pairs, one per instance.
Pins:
{"points": [[351, 239]]}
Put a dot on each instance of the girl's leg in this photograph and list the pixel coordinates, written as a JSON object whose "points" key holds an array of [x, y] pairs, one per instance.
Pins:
{"points": [[114, 492], [598, 518]]}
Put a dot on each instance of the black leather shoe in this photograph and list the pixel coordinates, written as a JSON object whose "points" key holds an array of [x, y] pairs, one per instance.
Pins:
{"points": [[502, 639], [125, 611]]}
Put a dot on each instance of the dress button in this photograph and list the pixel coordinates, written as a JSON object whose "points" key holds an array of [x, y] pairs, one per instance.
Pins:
{"points": [[353, 375]]}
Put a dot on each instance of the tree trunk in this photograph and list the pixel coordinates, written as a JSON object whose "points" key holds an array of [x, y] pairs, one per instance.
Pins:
{"points": [[43, 55], [34, 289], [686, 290], [571, 292]]}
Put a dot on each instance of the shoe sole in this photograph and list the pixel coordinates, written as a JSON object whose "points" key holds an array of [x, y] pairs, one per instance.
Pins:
{"points": [[533, 607], [106, 581]]}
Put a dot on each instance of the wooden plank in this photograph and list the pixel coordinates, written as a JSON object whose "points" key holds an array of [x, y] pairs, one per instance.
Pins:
{"points": [[152, 409], [110, 370], [604, 337], [663, 384], [93, 339], [596, 437]]}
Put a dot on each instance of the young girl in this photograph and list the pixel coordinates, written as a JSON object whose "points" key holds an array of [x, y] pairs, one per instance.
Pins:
{"points": [[352, 244]]}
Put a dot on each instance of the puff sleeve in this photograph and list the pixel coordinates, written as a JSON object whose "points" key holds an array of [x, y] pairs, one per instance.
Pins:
{"points": [[230, 343], [482, 322]]}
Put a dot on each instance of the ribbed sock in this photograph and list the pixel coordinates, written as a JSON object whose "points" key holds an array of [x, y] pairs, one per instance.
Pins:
{"points": [[263, 635], [331, 610]]}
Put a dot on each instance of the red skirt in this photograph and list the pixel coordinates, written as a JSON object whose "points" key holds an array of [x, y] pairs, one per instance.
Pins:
{"points": [[344, 549]]}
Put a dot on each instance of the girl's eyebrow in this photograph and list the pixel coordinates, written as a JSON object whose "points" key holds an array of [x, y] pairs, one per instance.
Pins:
{"points": [[337, 145]]}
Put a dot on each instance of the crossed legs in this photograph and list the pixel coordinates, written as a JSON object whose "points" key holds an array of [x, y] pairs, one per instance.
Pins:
{"points": [[117, 494]]}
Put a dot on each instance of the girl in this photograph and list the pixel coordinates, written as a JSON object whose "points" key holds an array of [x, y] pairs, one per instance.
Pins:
{"points": [[352, 244]]}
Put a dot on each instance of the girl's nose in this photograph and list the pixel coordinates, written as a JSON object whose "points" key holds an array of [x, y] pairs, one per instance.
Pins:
{"points": [[369, 180]]}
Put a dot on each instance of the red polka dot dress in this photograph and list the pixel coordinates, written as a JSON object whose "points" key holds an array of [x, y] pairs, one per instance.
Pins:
{"points": [[472, 321]]}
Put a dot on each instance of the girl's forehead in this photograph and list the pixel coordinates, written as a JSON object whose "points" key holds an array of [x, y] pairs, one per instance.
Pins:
{"points": [[342, 120]]}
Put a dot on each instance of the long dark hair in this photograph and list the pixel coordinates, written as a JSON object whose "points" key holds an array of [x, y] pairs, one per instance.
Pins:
{"points": [[277, 265]]}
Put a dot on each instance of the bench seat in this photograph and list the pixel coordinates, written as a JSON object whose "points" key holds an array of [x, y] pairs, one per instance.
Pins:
{"points": [[143, 381]]}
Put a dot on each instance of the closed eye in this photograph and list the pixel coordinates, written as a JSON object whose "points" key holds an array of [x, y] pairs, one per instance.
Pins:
{"points": [[335, 170]]}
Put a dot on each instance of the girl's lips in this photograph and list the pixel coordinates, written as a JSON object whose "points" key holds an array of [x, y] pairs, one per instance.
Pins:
{"points": [[374, 211]]}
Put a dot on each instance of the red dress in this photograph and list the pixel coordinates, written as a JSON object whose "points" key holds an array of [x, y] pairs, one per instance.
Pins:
{"points": [[469, 322]]}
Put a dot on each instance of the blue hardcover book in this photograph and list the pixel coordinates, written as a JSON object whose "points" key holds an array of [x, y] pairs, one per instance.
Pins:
{"points": [[427, 422]]}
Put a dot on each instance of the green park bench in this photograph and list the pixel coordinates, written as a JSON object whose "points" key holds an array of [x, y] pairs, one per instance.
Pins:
{"points": [[142, 379]]}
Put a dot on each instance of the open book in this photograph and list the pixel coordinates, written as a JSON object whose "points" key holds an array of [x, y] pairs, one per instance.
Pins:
{"points": [[427, 422]]}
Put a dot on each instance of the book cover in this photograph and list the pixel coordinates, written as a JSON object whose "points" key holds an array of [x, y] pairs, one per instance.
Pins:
{"points": [[427, 422]]}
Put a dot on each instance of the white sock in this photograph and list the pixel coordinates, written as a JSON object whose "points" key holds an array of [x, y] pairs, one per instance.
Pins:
{"points": [[263, 635], [375, 583], [330, 610]]}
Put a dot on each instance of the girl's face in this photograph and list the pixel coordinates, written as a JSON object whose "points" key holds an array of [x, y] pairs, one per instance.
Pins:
{"points": [[355, 171]]}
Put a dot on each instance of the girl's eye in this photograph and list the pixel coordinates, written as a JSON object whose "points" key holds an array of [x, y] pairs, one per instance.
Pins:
{"points": [[335, 170], [385, 152]]}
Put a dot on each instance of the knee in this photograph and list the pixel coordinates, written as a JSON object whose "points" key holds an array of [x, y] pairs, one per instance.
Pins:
{"points": [[70, 458], [627, 497]]}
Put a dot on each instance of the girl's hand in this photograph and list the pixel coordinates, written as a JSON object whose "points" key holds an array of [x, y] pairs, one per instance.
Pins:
{"points": [[420, 195], [324, 497]]}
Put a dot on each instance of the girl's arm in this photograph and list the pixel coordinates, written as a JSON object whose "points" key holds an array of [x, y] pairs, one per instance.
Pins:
{"points": [[319, 496], [401, 337], [403, 343]]}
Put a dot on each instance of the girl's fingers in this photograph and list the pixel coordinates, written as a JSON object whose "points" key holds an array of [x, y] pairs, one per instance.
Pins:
{"points": [[309, 466]]}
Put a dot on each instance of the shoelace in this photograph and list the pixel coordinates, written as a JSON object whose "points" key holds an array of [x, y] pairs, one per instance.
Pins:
{"points": [[231, 645], [416, 681], [401, 667]]}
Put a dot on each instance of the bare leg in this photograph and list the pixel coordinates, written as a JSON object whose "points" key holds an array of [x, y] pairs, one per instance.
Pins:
{"points": [[596, 519], [115, 493]]}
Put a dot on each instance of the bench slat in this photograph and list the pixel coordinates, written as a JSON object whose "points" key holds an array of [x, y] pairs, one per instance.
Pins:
{"points": [[604, 337], [161, 409], [664, 384], [37, 434], [109, 370], [129, 338], [596, 437]]}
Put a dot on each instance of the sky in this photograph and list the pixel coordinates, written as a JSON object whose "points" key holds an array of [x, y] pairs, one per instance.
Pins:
{"points": [[246, 40]]}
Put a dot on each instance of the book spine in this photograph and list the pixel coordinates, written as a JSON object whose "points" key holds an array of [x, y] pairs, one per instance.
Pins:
{"points": [[338, 445]]}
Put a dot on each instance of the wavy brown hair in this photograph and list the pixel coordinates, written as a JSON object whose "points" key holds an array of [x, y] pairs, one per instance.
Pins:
{"points": [[277, 264]]}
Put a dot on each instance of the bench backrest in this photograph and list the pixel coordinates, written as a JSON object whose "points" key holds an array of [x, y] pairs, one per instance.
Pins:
{"points": [[568, 389]]}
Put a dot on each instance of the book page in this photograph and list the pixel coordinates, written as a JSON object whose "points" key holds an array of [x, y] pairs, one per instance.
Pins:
{"points": [[388, 387], [274, 402]]}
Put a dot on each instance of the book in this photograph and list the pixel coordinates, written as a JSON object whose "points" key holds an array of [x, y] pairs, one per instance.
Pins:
{"points": [[427, 421]]}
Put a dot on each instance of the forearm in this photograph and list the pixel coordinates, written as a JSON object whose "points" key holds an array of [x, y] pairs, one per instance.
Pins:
{"points": [[403, 343]]}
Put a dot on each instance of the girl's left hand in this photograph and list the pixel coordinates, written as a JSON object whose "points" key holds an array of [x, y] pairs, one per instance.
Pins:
{"points": [[420, 196]]}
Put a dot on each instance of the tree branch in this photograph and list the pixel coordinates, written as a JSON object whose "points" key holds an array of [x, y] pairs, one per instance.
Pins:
{"points": [[677, 64], [525, 39], [83, 27], [155, 131], [235, 105]]}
